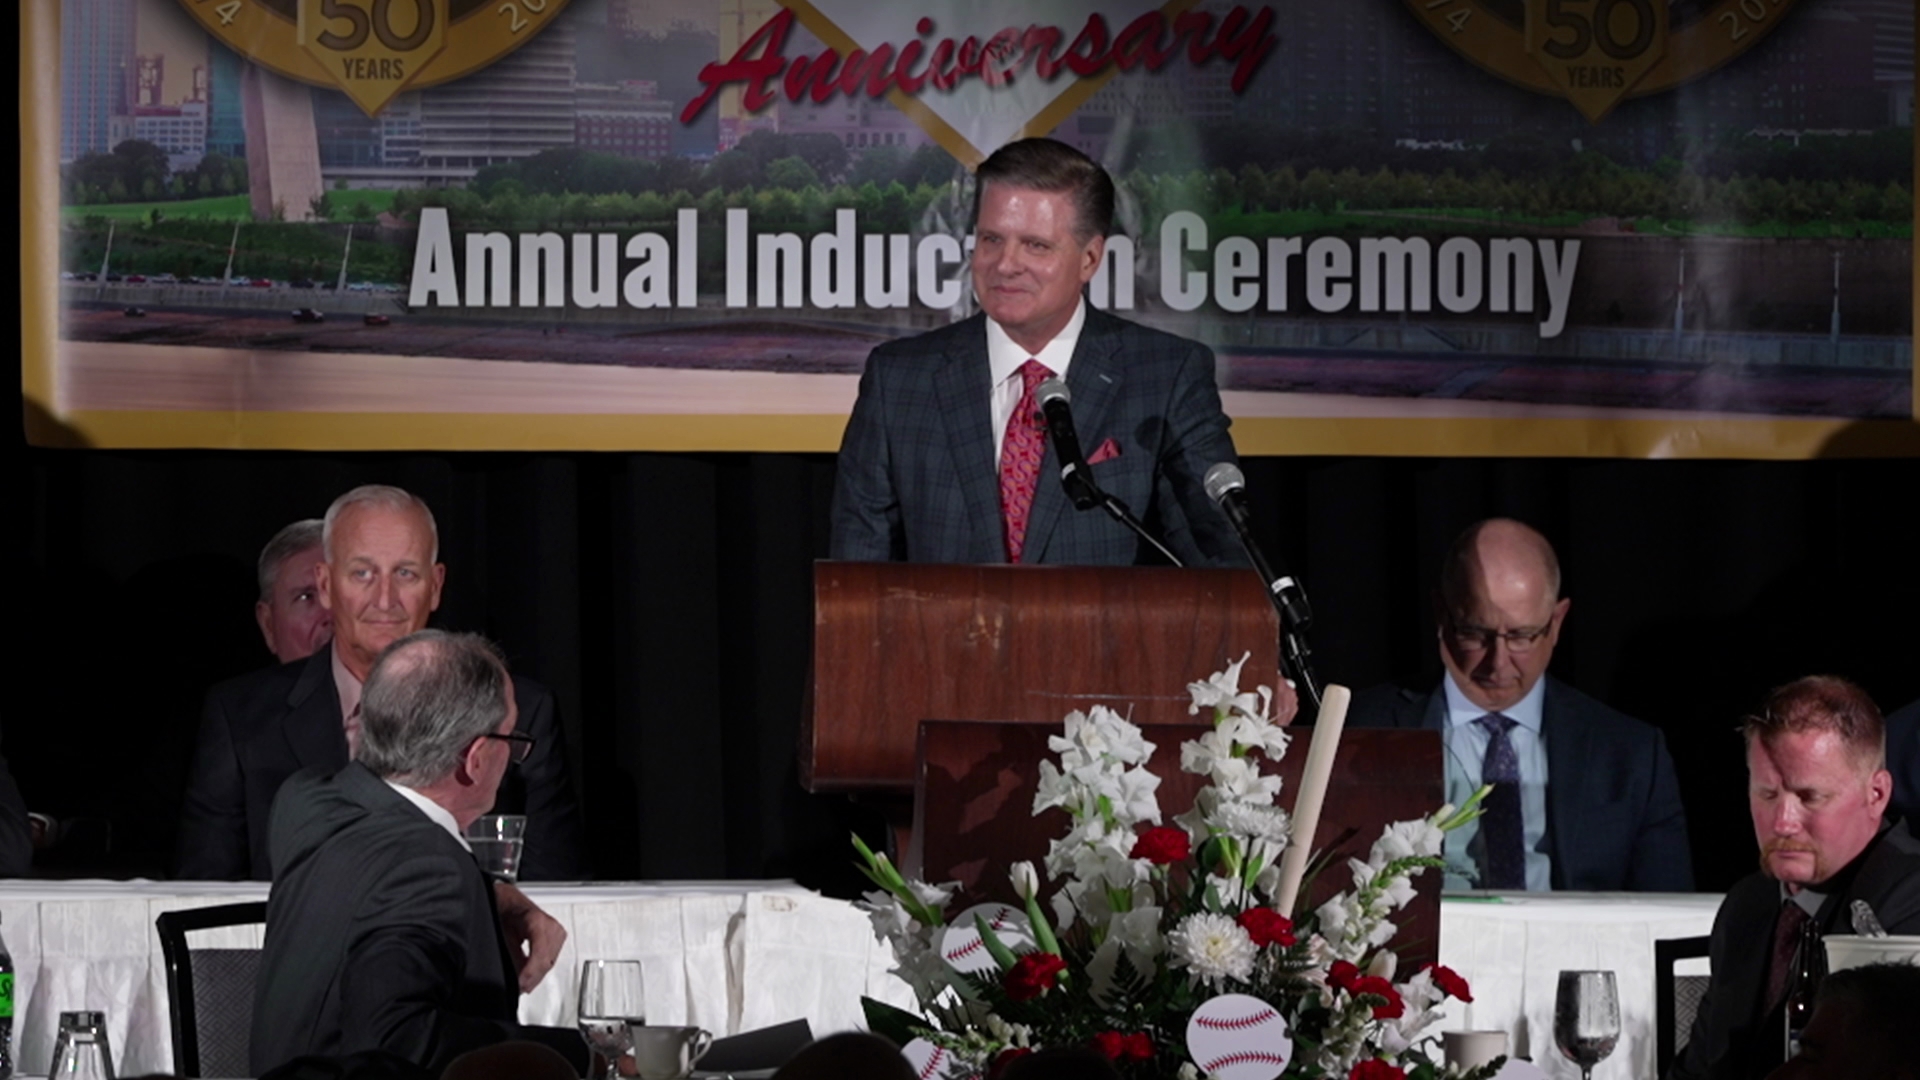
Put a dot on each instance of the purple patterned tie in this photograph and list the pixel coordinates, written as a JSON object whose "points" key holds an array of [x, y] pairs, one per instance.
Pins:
{"points": [[1020, 453], [1786, 944], [1501, 829]]}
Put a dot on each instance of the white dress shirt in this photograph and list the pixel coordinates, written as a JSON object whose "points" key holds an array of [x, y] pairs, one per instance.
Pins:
{"points": [[1467, 752], [436, 813], [1004, 358]]}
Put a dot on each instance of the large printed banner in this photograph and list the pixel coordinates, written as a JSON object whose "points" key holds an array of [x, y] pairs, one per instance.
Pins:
{"points": [[1569, 227]]}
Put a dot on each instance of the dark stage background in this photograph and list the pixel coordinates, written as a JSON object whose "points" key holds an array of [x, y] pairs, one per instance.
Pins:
{"points": [[665, 599]]}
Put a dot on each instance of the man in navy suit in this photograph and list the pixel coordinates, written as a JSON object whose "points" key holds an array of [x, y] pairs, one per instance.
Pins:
{"points": [[943, 460], [1584, 797], [380, 579]]}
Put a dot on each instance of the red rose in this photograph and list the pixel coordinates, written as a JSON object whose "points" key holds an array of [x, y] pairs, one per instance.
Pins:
{"points": [[1374, 984], [1115, 1046], [1032, 975], [1005, 1058], [1450, 982], [1266, 927], [1341, 975], [1375, 1069], [1163, 844]]}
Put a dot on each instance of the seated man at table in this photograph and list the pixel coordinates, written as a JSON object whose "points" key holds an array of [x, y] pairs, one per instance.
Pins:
{"points": [[382, 933], [381, 579], [1817, 788], [293, 621], [1583, 796]]}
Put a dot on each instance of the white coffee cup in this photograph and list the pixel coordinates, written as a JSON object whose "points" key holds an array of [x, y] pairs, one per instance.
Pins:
{"points": [[666, 1053], [1472, 1049]]}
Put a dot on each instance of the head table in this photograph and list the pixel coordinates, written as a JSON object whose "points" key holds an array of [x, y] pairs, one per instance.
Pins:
{"points": [[733, 956]]}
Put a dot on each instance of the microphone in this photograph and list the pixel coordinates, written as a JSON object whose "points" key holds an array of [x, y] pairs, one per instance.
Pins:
{"points": [[1056, 405], [1227, 485]]}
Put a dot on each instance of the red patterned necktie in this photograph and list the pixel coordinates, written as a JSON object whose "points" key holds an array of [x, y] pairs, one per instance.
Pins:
{"points": [[1020, 453]]}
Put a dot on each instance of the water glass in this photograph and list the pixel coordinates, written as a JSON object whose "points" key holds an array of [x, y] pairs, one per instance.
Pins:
{"points": [[497, 841], [1586, 1018], [612, 999], [81, 1050]]}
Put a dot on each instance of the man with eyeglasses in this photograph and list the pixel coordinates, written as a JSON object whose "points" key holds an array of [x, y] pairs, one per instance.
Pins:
{"points": [[380, 577], [383, 935], [1583, 797]]}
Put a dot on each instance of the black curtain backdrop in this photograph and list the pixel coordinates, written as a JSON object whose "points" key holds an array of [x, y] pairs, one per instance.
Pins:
{"points": [[666, 600]]}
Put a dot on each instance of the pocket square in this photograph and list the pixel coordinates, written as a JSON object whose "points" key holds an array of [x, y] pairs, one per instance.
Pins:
{"points": [[1106, 451]]}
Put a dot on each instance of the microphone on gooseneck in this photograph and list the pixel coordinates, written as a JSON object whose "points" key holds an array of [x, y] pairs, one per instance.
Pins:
{"points": [[1056, 404], [1227, 485]]}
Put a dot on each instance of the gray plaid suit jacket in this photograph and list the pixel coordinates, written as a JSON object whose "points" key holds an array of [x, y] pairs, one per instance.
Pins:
{"points": [[918, 480]]}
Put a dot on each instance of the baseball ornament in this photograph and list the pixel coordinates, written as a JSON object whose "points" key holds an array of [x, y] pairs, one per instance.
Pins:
{"points": [[1239, 1037], [929, 1062], [966, 953]]}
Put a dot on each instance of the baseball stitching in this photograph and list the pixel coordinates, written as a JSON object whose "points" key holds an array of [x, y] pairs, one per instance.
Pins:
{"points": [[1223, 1023], [1245, 1057], [932, 1064]]}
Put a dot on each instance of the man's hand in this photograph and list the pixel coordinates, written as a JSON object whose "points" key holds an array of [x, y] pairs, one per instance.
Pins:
{"points": [[533, 936], [1286, 703]]}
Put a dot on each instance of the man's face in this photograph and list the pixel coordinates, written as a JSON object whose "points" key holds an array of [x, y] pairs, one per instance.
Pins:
{"points": [[381, 584], [1499, 645], [292, 620], [1028, 266], [1814, 805]]}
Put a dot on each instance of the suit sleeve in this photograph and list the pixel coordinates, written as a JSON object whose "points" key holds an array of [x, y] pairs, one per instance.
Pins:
{"points": [[556, 844], [1662, 856], [866, 507], [1192, 525], [407, 954], [16, 834], [212, 844]]}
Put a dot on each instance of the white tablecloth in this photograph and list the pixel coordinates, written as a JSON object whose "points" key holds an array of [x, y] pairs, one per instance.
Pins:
{"points": [[1511, 949], [729, 956]]}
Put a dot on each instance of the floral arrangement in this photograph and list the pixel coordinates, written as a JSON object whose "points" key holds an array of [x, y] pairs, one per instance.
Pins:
{"points": [[1146, 922]]}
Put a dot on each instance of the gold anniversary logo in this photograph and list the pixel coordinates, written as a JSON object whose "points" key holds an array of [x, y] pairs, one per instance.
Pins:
{"points": [[374, 49], [1595, 53]]}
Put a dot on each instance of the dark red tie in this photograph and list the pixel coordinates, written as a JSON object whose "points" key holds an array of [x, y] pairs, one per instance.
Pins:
{"points": [[1020, 453], [1786, 942]]}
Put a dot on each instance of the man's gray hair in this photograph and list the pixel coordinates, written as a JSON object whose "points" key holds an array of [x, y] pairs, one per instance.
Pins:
{"points": [[286, 543], [382, 495], [427, 698]]}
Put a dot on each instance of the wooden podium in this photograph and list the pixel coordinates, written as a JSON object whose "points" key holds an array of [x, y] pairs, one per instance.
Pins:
{"points": [[898, 643], [992, 658]]}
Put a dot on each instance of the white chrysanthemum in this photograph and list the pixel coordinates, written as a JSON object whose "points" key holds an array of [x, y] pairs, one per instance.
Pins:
{"points": [[1213, 947], [1253, 821]]}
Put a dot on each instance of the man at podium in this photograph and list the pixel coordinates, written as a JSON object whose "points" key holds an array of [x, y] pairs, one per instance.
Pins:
{"points": [[946, 457]]}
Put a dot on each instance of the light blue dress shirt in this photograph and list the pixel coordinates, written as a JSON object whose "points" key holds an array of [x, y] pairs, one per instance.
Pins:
{"points": [[1466, 753]]}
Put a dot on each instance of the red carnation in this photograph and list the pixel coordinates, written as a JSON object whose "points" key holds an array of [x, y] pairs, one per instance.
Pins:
{"points": [[1342, 974], [1266, 927], [1374, 984], [1163, 844], [1450, 982], [1375, 1069], [1032, 975], [1115, 1046]]}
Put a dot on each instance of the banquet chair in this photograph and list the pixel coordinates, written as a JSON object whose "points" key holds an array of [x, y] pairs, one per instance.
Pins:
{"points": [[209, 991], [1675, 998]]}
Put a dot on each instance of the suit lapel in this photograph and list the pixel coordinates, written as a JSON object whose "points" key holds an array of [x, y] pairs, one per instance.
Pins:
{"points": [[1572, 757], [312, 725], [1094, 380], [963, 393]]}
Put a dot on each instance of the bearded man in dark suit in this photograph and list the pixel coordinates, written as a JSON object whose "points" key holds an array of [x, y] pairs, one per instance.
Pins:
{"points": [[1817, 789], [382, 933], [380, 577], [944, 458], [1583, 797]]}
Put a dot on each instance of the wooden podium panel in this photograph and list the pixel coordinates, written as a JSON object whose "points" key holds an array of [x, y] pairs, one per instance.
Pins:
{"points": [[897, 643], [973, 807]]}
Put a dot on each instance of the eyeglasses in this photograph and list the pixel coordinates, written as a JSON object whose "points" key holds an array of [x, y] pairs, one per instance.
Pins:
{"points": [[522, 745], [1470, 638]]}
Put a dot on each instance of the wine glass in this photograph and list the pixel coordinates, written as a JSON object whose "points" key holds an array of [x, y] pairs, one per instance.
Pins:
{"points": [[611, 997], [1586, 1018]]}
